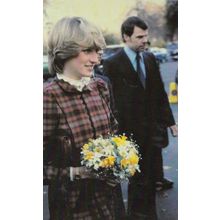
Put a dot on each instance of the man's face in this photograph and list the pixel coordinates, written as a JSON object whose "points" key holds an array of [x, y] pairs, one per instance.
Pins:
{"points": [[138, 40]]}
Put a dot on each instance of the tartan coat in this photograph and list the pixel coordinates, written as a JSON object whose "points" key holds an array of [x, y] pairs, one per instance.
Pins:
{"points": [[72, 117]]}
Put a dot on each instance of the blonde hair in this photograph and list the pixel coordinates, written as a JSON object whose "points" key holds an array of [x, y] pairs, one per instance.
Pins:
{"points": [[68, 37]]}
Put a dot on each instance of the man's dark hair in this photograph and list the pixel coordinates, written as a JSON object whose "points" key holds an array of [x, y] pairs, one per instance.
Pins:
{"points": [[128, 26]]}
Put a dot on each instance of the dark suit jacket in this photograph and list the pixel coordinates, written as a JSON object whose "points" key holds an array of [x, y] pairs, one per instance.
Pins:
{"points": [[99, 74], [139, 109]]}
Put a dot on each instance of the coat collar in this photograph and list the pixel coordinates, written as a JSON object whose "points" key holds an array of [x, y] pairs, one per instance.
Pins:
{"points": [[79, 84], [131, 54], [93, 84], [126, 61]]}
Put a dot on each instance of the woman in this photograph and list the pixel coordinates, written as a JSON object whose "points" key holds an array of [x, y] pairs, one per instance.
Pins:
{"points": [[76, 108]]}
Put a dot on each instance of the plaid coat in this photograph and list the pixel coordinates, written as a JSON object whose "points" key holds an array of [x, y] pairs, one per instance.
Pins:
{"points": [[77, 116]]}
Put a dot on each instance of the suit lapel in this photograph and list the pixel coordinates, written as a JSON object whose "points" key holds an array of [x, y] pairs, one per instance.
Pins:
{"points": [[148, 68], [148, 65], [127, 69]]}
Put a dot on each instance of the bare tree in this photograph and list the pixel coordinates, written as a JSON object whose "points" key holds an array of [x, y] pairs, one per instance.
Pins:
{"points": [[111, 38], [45, 4], [171, 19]]}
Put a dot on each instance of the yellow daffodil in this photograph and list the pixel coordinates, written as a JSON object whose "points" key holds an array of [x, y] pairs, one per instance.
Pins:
{"points": [[85, 147], [133, 159], [107, 162], [111, 160], [123, 137], [89, 155], [102, 163], [124, 162], [132, 172], [120, 140]]}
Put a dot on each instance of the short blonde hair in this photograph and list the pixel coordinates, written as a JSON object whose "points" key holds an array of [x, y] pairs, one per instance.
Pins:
{"points": [[68, 37]]}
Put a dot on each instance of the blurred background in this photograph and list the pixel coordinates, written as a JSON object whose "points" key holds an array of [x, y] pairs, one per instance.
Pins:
{"points": [[160, 15]]}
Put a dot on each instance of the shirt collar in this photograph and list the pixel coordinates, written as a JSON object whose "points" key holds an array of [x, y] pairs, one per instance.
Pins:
{"points": [[132, 54], [78, 84], [92, 84]]}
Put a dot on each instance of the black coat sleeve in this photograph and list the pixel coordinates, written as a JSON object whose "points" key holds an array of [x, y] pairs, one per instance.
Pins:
{"points": [[109, 72], [166, 115]]}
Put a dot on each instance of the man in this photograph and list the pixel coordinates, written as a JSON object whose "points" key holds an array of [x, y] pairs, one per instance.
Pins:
{"points": [[139, 98]]}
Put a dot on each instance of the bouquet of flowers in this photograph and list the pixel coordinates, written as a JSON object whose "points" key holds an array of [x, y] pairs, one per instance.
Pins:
{"points": [[113, 157]]}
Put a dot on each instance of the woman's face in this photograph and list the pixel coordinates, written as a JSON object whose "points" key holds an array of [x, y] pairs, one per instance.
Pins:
{"points": [[82, 65]]}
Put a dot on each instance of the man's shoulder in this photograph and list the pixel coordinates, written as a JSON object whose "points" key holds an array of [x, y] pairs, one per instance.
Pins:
{"points": [[115, 57], [149, 55]]}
